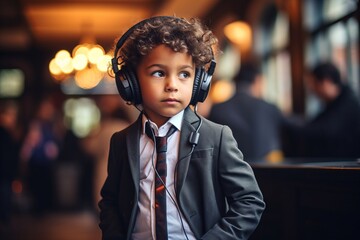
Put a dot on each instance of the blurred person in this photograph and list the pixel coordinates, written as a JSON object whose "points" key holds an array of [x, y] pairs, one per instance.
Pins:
{"points": [[73, 175], [9, 157], [39, 151], [256, 124], [334, 132], [113, 118]]}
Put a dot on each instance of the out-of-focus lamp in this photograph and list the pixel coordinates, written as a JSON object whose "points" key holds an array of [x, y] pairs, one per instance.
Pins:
{"points": [[87, 64], [240, 34], [222, 90]]}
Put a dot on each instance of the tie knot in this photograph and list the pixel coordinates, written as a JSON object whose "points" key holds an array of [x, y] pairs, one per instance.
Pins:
{"points": [[161, 142]]}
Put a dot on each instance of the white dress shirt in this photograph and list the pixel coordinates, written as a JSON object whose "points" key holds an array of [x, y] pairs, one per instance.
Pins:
{"points": [[145, 221]]}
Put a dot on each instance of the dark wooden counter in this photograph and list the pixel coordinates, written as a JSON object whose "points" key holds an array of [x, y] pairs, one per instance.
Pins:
{"points": [[309, 200]]}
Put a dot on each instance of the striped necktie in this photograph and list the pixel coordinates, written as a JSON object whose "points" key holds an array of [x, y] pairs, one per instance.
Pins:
{"points": [[160, 180]]}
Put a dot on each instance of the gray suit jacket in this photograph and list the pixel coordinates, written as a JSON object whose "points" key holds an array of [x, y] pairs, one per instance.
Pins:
{"points": [[216, 190]]}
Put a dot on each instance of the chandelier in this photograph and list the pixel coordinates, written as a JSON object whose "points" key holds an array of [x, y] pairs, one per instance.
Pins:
{"points": [[87, 65]]}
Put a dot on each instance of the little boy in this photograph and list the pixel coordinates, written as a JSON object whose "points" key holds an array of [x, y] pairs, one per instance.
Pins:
{"points": [[203, 189]]}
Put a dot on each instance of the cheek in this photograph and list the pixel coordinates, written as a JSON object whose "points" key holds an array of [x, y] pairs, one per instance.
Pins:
{"points": [[145, 86], [148, 92], [188, 90]]}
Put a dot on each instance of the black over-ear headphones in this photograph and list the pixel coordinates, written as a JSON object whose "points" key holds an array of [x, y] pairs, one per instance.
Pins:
{"points": [[127, 82]]}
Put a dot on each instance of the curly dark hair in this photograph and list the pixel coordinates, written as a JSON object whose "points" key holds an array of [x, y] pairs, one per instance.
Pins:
{"points": [[181, 35]]}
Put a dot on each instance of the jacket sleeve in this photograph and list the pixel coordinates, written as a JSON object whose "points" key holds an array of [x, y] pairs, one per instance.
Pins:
{"points": [[110, 223], [243, 195]]}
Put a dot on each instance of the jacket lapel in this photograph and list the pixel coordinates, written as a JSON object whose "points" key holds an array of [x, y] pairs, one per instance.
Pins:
{"points": [[189, 124], [133, 145]]}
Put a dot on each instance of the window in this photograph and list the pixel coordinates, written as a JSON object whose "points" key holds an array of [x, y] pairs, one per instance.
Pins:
{"points": [[333, 35], [271, 42]]}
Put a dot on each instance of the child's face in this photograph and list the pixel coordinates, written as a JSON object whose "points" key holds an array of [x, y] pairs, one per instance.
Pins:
{"points": [[166, 81]]}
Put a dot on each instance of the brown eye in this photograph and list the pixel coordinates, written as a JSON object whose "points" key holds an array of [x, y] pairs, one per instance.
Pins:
{"points": [[158, 74], [184, 75]]}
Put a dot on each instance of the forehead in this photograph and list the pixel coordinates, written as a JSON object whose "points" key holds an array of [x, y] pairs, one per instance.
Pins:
{"points": [[163, 54]]}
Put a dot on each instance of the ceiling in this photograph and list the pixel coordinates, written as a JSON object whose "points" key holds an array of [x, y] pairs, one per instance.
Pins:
{"points": [[64, 23]]}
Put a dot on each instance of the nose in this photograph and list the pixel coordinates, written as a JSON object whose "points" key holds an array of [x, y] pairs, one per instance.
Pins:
{"points": [[171, 84]]}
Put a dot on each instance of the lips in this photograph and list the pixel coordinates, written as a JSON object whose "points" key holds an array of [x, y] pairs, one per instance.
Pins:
{"points": [[170, 100]]}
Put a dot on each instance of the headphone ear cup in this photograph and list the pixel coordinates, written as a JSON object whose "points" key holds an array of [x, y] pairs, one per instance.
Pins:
{"points": [[135, 86], [123, 85], [127, 85], [204, 86], [201, 86], [196, 87]]}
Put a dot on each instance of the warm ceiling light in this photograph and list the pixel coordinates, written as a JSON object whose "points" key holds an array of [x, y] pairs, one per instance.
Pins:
{"points": [[87, 65], [104, 63], [68, 68], [80, 61], [62, 58], [88, 78], [222, 90], [239, 33], [81, 49], [95, 53], [54, 67]]}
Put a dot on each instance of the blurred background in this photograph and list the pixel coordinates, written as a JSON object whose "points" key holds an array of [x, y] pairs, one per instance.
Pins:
{"points": [[59, 106]]}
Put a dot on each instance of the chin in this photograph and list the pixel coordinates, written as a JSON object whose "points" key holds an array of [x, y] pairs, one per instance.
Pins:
{"points": [[171, 112]]}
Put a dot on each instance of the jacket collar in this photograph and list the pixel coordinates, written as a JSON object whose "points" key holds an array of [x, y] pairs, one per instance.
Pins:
{"points": [[189, 125]]}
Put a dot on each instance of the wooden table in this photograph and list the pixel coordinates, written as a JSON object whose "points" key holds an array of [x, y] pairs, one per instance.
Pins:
{"points": [[309, 200]]}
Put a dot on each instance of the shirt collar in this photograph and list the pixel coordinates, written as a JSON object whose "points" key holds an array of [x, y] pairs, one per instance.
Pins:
{"points": [[175, 120]]}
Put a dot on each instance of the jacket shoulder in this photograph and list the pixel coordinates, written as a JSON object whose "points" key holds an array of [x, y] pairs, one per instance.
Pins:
{"points": [[210, 127], [124, 132]]}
